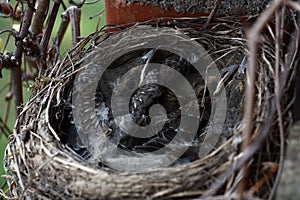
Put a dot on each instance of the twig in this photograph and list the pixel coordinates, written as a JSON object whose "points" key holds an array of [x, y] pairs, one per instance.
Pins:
{"points": [[3, 184], [53, 156], [37, 24], [48, 31], [4, 128], [254, 39], [78, 5], [8, 99], [99, 14], [16, 162], [75, 15], [212, 13], [246, 155], [292, 57], [278, 38], [65, 19], [16, 71], [91, 2], [13, 32], [292, 52]]}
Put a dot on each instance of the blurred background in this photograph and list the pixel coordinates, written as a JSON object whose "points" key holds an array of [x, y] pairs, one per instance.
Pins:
{"points": [[89, 19]]}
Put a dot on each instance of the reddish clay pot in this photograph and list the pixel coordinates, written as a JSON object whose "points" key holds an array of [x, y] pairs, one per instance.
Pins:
{"points": [[117, 12]]}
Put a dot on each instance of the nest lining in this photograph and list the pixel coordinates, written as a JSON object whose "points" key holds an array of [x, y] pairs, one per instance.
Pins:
{"points": [[44, 168]]}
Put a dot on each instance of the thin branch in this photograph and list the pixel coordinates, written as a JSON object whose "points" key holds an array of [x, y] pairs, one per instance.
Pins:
{"points": [[13, 32], [78, 5], [212, 13], [278, 38], [37, 24], [91, 2], [8, 99], [290, 59], [292, 54], [4, 129], [75, 14], [253, 41], [16, 71], [246, 155], [65, 20], [48, 30], [3, 185]]}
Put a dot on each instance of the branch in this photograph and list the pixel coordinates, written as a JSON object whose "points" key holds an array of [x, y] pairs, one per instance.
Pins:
{"points": [[48, 31], [16, 72], [37, 24]]}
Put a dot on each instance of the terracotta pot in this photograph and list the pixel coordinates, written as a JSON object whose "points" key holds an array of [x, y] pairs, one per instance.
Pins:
{"points": [[117, 12]]}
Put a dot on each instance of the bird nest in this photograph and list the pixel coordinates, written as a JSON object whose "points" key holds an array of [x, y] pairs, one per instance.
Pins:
{"points": [[47, 160]]}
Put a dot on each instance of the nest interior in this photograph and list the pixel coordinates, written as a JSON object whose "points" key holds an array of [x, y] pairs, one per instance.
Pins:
{"points": [[44, 166]]}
